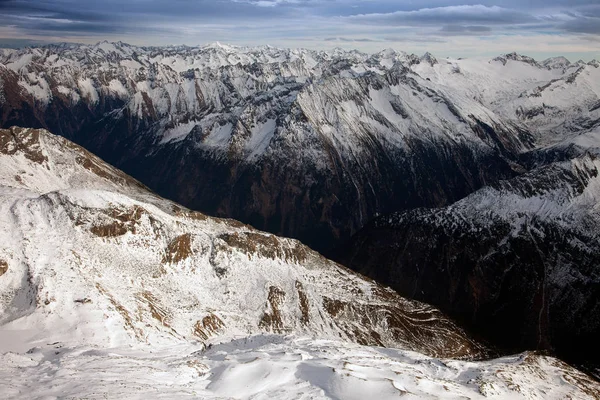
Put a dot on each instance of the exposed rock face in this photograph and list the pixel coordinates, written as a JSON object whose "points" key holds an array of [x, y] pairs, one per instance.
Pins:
{"points": [[98, 254], [321, 207], [518, 262]]}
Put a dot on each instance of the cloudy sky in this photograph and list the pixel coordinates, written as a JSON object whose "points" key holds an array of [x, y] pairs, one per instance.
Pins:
{"points": [[458, 28]]}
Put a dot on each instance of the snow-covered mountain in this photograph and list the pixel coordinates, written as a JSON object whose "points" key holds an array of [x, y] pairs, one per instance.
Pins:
{"points": [[553, 101], [108, 290], [517, 261], [92, 256], [308, 144]]}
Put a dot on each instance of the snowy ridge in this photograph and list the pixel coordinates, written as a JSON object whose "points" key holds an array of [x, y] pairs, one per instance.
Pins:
{"points": [[338, 133], [552, 100], [187, 89], [565, 193], [108, 290]]}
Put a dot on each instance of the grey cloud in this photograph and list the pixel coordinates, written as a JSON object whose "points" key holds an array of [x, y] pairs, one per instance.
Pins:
{"points": [[411, 38], [583, 25], [480, 19], [349, 40], [415, 39], [84, 18], [16, 43], [462, 14], [290, 21], [592, 11], [116, 9], [590, 38], [465, 30]]}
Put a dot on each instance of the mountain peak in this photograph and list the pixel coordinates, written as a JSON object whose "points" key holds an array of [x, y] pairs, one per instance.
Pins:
{"points": [[517, 57], [221, 46], [556, 63], [429, 59], [389, 52]]}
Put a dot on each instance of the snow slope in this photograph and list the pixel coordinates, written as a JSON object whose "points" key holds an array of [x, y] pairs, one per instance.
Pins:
{"points": [[276, 367], [553, 100]]}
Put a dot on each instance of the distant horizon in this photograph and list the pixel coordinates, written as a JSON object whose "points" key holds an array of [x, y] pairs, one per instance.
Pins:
{"points": [[448, 28], [26, 44]]}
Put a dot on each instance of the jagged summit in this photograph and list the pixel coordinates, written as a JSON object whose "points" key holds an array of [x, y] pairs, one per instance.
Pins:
{"points": [[517, 57], [429, 59], [338, 51], [556, 62], [388, 53], [226, 47]]}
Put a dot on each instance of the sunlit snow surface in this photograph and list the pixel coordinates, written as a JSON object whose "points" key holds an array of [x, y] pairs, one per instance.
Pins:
{"points": [[276, 367]]}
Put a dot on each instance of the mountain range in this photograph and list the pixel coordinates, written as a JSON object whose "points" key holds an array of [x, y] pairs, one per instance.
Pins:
{"points": [[469, 184], [305, 144]]}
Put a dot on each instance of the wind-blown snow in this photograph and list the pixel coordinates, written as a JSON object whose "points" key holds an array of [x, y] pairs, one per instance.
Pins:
{"points": [[276, 367]]}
